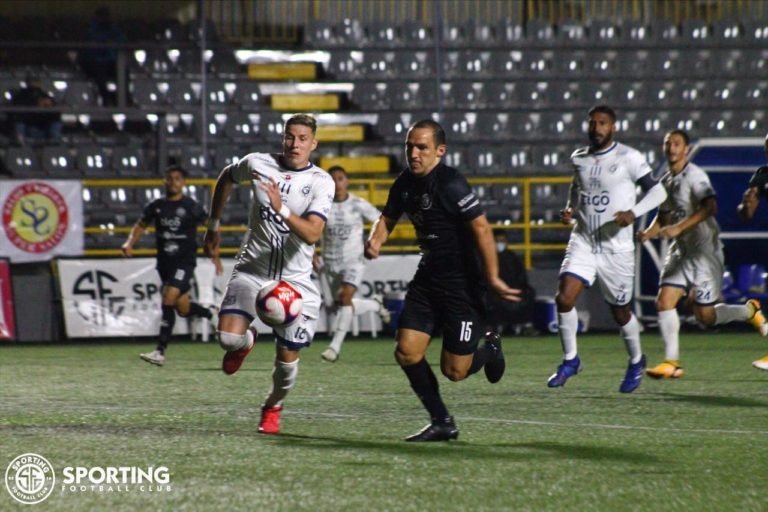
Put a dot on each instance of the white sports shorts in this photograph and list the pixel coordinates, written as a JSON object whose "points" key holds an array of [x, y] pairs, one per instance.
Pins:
{"points": [[240, 298], [701, 272], [615, 272], [350, 272]]}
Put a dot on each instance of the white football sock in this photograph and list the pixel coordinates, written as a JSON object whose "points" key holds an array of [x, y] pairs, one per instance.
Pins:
{"points": [[568, 324], [343, 323], [631, 334], [365, 305], [725, 313], [283, 379], [669, 327]]}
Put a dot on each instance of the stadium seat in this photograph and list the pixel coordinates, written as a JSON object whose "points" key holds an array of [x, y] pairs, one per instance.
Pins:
{"points": [[755, 92], [665, 63], [412, 95], [751, 280], [748, 123], [248, 96], [722, 94], [242, 127], [688, 120], [460, 124], [727, 32], [346, 65], [80, 94], [319, 34], [467, 95], [572, 63], [535, 94], [571, 95], [602, 33], [486, 160], [183, 93], [379, 64], [756, 32], [695, 32], [559, 125], [219, 93], [716, 123], [634, 33], [478, 33], [372, 96], [225, 154], [661, 93], [414, 64], [58, 162], [539, 64], [664, 33], [93, 161], [224, 64], [756, 60], [727, 63], [507, 64], [602, 64], [452, 34], [539, 32], [500, 94], [146, 93], [509, 33], [23, 162], [634, 63], [692, 93], [570, 32], [197, 163], [381, 33], [129, 161], [416, 34], [350, 32], [492, 125], [456, 156]]}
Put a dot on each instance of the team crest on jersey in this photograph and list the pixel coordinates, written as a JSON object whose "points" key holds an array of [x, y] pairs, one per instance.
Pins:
{"points": [[180, 212], [306, 189], [425, 202], [612, 169]]}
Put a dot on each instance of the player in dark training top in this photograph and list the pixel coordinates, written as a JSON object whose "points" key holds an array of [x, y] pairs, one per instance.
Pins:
{"points": [[175, 219], [447, 294]]}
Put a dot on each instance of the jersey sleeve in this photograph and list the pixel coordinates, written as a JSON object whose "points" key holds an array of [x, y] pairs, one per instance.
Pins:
{"points": [[701, 186], [241, 170], [148, 214], [369, 212], [322, 196], [395, 203], [639, 165], [460, 200], [760, 179], [199, 212]]}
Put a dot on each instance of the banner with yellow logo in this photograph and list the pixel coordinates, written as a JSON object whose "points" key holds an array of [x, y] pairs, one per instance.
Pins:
{"points": [[41, 219]]}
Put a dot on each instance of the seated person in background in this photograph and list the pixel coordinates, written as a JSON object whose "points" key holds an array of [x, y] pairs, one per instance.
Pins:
{"points": [[511, 317], [35, 125]]}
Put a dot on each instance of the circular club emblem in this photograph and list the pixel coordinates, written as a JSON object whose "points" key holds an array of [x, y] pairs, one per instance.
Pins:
{"points": [[29, 478], [35, 217]]}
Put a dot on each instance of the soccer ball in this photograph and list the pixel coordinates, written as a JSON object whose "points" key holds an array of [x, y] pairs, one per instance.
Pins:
{"points": [[278, 304]]}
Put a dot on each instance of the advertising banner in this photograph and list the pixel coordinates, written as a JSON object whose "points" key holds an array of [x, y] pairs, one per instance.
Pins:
{"points": [[121, 297], [41, 219], [7, 315]]}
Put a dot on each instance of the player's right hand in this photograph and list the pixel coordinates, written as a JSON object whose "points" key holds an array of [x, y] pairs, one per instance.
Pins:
{"points": [[566, 216], [371, 250], [211, 242], [126, 249]]}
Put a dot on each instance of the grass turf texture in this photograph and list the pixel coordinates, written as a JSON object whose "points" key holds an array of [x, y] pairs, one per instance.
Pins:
{"points": [[697, 443]]}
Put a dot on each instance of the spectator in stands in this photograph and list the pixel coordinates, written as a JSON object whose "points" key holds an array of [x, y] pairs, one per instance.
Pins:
{"points": [[602, 208], [100, 62], [41, 125], [695, 259], [447, 295], [757, 186], [505, 316], [175, 218], [341, 265], [290, 204]]}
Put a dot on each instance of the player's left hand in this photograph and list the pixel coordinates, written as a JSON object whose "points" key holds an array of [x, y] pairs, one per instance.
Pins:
{"points": [[624, 219], [504, 291]]}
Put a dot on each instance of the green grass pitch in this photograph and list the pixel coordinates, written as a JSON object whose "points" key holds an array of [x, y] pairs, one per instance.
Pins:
{"points": [[699, 443]]}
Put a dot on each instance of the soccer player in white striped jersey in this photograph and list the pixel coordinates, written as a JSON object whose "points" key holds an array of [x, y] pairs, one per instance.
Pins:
{"points": [[695, 260], [601, 247], [342, 262], [291, 202]]}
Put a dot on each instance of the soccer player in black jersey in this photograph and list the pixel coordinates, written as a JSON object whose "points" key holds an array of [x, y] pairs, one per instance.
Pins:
{"points": [[447, 294], [175, 219], [758, 186]]}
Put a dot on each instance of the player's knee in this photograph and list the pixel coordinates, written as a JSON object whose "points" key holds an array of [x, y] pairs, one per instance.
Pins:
{"points": [[565, 302], [706, 315], [405, 359], [454, 374], [230, 341]]}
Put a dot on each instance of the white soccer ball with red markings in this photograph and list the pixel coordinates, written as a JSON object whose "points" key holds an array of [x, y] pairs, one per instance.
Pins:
{"points": [[278, 303]]}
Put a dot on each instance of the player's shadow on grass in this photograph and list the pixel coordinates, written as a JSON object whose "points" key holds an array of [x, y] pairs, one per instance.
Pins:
{"points": [[503, 451], [722, 401]]}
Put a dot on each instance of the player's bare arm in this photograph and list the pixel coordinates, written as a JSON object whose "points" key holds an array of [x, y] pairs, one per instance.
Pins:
{"points": [[483, 234], [212, 237], [749, 202], [309, 228], [137, 231], [379, 234], [661, 219]]}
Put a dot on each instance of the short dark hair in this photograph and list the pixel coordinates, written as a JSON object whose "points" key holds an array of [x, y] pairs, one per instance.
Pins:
{"points": [[603, 109], [337, 168], [176, 168], [437, 130], [682, 133], [302, 119]]}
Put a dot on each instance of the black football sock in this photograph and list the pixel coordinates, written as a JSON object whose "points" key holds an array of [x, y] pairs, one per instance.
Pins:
{"points": [[482, 354], [166, 327], [196, 309], [424, 384]]}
